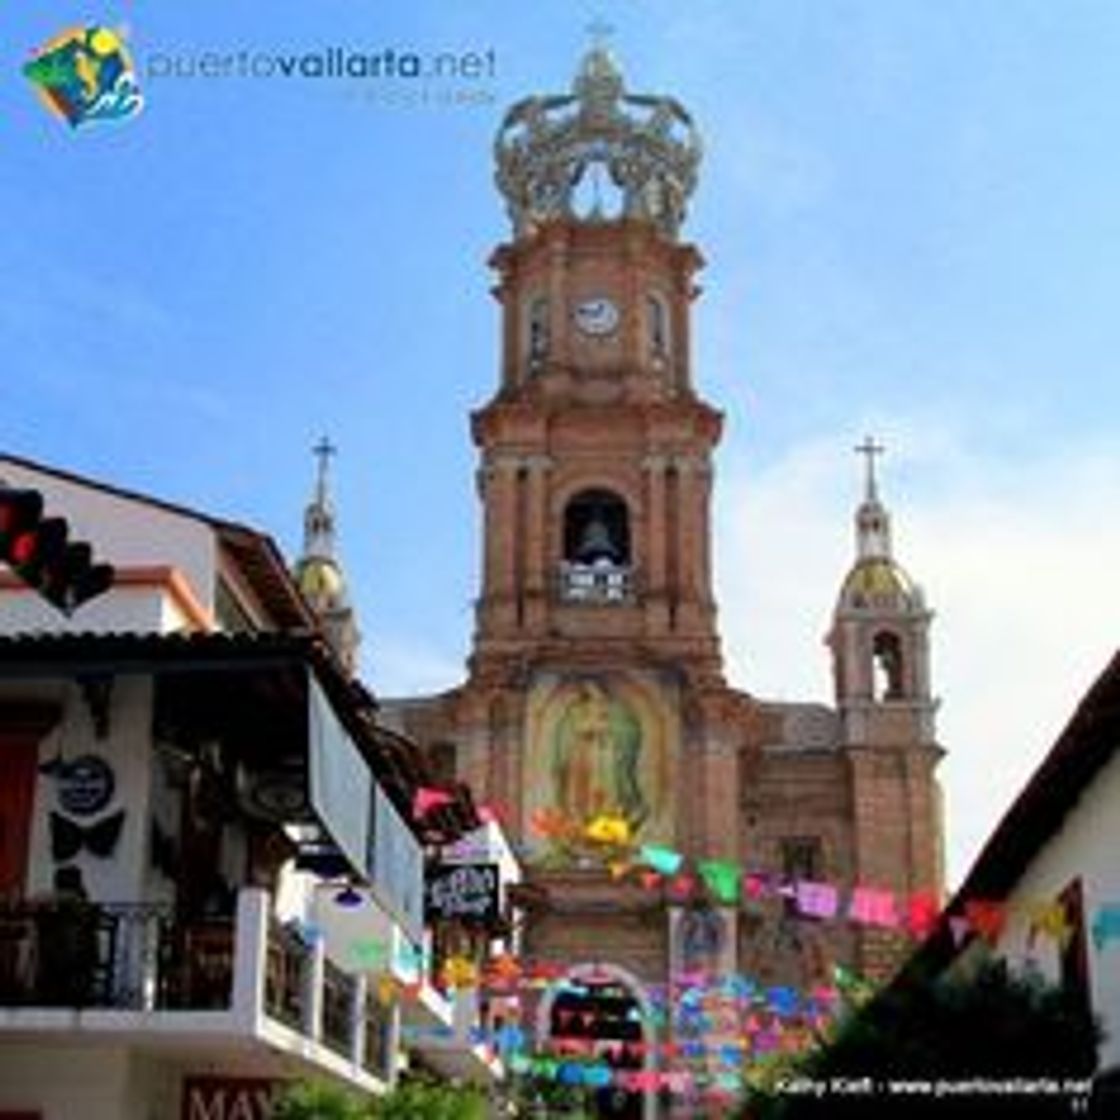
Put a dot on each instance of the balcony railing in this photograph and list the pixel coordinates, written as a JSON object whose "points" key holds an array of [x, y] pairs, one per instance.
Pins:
{"points": [[600, 583], [79, 955], [137, 957]]}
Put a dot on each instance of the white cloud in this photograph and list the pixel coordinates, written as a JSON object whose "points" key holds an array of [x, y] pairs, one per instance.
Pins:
{"points": [[400, 667], [1018, 560]]}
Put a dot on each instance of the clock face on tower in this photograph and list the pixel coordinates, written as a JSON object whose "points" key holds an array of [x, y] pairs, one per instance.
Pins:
{"points": [[596, 316]]}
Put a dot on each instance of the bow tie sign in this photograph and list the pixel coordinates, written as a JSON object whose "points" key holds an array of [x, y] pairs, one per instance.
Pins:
{"points": [[68, 837]]}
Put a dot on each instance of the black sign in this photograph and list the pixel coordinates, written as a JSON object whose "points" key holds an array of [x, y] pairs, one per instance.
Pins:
{"points": [[464, 892], [85, 786]]}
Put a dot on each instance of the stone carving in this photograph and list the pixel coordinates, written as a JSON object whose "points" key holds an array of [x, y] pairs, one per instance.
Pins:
{"points": [[646, 146]]}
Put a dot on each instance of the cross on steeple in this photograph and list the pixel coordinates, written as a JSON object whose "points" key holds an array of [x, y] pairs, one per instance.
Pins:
{"points": [[323, 450], [870, 449]]}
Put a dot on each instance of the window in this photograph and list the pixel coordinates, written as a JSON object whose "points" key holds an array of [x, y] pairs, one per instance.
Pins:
{"points": [[802, 857], [537, 329], [886, 668], [596, 559], [657, 326]]}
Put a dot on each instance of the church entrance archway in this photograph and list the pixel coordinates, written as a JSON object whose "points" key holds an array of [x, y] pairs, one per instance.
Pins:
{"points": [[604, 1010]]}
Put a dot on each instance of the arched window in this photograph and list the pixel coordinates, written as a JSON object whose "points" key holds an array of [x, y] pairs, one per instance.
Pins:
{"points": [[596, 548], [536, 329], [596, 527], [888, 679], [657, 326]]}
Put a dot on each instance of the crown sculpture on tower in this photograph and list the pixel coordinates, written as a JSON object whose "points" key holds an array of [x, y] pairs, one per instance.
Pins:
{"points": [[647, 147]]}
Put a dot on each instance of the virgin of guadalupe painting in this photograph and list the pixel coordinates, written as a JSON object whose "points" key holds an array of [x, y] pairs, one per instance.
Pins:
{"points": [[596, 758]]}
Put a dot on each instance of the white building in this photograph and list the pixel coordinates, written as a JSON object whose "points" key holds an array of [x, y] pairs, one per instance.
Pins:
{"points": [[1052, 868], [168, 756]]}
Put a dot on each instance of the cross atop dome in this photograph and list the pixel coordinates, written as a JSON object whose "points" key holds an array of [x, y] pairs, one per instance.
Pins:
{"points": [[323, 451], [870, 449]]}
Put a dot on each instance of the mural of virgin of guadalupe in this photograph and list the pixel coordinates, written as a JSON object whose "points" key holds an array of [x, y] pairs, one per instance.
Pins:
{"points": [[596, 754]]}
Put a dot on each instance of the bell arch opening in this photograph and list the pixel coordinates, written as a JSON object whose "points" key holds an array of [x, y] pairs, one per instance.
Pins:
{"points": [[596, 562], [887, 667]]}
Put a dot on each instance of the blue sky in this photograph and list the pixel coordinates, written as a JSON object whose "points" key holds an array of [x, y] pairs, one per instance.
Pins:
{"points": [[909, 213]]}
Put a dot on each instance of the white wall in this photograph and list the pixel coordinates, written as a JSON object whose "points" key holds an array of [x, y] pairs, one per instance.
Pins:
{"points": [[141, 610], [127, 749], [1086, 846], [66, 1083], [122, 531]]}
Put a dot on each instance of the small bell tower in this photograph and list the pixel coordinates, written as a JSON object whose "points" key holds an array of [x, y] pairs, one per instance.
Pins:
{"points": [[880, 653], [318, 572], [880, 633]]}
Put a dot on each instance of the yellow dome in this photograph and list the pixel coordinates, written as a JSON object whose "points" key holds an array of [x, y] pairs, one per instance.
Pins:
{"points": [[320, 579], [878, 581]]}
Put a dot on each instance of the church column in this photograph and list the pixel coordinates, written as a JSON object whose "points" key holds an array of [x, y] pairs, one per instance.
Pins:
{"points": [[687, 542], [558, 300], [703, 469], [502, 531], [656, 541], [535, 533]]}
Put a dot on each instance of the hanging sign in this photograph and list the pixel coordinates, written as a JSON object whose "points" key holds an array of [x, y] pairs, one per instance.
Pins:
{"points": [[85, 785], [465, 892]]}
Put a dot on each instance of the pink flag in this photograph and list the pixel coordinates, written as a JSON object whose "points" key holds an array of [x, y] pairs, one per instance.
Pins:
{"points": [[754, 885], [873, 907], [921, 913], [958, 927], [681, 886], [426, 800], [816, 900], [987, 918]]}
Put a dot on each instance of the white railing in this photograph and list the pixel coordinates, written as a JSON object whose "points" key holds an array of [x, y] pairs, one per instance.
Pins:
{"points": [[596, 583]]}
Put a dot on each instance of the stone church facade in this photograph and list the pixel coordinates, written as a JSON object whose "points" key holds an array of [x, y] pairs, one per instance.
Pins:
{"points": [[596, 681]]}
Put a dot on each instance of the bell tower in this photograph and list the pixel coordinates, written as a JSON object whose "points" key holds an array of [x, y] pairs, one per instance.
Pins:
{"points": [[595, 470]]}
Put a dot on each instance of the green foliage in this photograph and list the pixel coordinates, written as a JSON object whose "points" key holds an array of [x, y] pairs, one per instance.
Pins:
{"points": [[993, 1024], [413, 1099], [422, 1099], [316, 1100]]}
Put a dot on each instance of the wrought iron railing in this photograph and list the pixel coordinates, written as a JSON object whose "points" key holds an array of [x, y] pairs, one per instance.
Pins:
{"points": [[289, 958], [199, 973], [76, 954]]}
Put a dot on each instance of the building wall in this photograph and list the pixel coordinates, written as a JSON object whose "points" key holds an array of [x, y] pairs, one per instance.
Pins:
{"points": [[69, 1083], [1085, 847], [119, 876], [125, 609]]}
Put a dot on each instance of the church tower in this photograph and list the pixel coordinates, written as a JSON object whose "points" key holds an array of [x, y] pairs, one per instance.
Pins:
{"points": [[880, 651], [596, 450], [318, 572], [880, 635]]}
